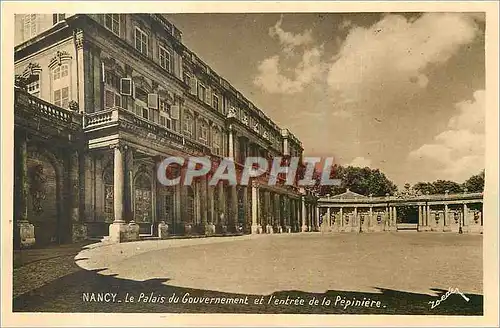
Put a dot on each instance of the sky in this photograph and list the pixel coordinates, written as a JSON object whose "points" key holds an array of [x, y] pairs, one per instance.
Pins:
{"points": [[401, 92]]}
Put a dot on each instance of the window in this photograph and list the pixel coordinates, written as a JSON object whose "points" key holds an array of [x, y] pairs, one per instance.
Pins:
{"points": [[33, 85], [188, 124], [215, 101], [30, 23], [112, 23], [202, 92], [61, 97], [60, 85], [186, 78], [111, 99], [217, 141], [56, 18], [165, 59], [141, 103], [203, 132], [165, 118], [141, 41]]}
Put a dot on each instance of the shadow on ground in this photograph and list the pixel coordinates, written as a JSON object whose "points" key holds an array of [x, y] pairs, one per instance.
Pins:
{"points": [[68, 291]]}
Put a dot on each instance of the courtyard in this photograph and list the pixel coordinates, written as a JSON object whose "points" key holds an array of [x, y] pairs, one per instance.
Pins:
{"points": [[405, 272]]}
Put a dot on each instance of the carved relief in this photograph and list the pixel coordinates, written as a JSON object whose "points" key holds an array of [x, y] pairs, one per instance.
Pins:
{"points": [[59, 58], [31, 69], [37, 187]]}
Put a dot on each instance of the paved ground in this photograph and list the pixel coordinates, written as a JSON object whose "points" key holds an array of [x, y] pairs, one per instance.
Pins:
{"points": [[404, 271]]}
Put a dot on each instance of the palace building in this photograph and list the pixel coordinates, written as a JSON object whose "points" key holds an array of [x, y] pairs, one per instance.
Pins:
{"points": [[100, 101]]}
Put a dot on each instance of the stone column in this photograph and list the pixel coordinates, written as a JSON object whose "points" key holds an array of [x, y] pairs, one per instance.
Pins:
{"points": [[328, 216], [304, 227], [268, 215], [255, 209], [465, 216], [370, 217], [389, 215], [246, 209], [233, 217], [211, 216], [25, 231], [428, 216], [317, 217], [355, 221], [204, 207], [341, 212], [221, 216], [446, 223], [231, 143], [277, 213], [129, 185], [424, 217], [119, 231], [118, 181], [298, 215], [420, 218]]}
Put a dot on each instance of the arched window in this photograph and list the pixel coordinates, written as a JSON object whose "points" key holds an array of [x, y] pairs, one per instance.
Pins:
{"points": [[61, 85], [188, 124], [203, 132], [217, 141]]}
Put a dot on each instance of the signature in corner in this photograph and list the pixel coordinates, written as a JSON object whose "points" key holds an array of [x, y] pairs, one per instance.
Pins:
{"points": [[445, 296]]}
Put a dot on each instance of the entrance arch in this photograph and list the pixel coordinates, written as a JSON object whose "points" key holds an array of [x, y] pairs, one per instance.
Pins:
{"points": [[44, 198], [143, 211]]}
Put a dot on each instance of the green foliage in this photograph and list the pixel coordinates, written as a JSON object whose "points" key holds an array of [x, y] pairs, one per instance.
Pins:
{"points": [[475, 183], [364, 181]]}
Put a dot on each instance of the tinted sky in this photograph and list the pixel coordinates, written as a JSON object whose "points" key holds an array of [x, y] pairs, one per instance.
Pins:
{"points": [[400, 92]]}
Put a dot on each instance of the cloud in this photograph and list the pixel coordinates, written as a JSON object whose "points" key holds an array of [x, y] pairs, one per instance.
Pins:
{"points": [[459, 151], [391, 56], [360, 162], [287, 39], [270, 78]]}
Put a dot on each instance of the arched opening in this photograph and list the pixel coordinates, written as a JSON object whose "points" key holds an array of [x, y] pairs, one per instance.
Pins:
{"points": [[43, 204], [143, 211]]}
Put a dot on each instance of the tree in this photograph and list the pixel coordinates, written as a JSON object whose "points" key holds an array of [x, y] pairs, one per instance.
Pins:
{"points": [[441, 186], [424, 188], [475, 183], [364, 181], [438, 187]]}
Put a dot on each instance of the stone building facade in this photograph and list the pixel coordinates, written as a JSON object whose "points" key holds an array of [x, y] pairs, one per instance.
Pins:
{"points": [[351, 212], [102, 99]]}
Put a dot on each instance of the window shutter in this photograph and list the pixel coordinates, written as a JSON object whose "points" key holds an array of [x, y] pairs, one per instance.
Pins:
{"points": [[174, 112], [153, 100], [126, 86]]}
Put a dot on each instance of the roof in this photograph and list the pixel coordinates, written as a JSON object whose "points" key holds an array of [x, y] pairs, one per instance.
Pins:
{"points": [[348, 195]]}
